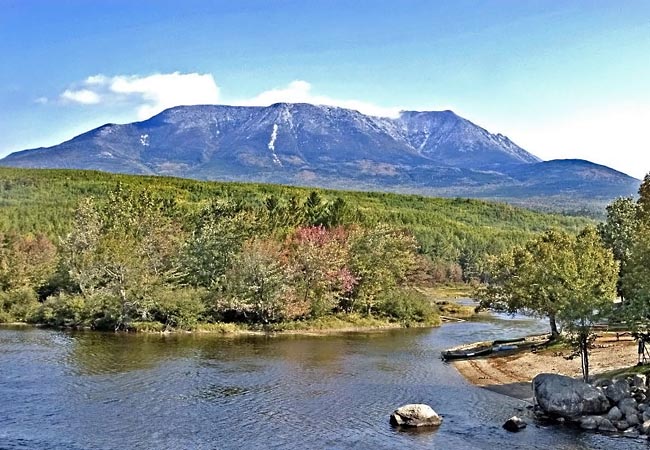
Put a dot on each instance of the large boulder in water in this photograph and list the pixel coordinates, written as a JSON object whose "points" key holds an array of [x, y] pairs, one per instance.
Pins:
{"points": [[415, 415], [563, 396]]}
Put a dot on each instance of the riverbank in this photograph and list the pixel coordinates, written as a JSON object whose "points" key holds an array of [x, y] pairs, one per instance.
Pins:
{"points": [[341, 323], [512, 374]]}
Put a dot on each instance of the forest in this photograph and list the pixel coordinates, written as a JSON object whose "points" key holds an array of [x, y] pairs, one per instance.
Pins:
{"points": [[87, 249]]}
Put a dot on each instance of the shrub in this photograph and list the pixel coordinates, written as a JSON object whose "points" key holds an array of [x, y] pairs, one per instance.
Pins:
{"points": [[63, 310], [5, 317], [180, 309], [18, 305], [105, 312], [407, 305], [146, 327]]}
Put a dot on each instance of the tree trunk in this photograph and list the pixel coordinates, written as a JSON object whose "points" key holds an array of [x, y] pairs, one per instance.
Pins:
{"points": [[584, 356], [554, 332]]}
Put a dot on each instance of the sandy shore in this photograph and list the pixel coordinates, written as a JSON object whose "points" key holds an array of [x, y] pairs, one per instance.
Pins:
{"points": [[511, 375]]}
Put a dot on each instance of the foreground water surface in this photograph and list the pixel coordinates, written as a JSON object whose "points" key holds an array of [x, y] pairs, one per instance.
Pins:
{"points": [[62, 390]]}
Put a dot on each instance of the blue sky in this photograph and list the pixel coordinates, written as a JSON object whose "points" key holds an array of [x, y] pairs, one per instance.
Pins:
{"points": [[563, 79]]}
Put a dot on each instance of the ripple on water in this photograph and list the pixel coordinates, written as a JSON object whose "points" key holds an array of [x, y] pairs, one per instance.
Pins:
{"points": [[104, 391]]}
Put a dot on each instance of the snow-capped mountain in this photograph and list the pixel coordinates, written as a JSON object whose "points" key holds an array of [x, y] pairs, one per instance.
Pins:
{"points": [[433, 152]]}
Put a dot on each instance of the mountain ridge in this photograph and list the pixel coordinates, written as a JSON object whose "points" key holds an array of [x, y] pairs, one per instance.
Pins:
{"points": [[429, 152]]}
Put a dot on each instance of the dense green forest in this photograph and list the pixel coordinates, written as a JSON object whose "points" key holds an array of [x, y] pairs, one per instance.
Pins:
{"points": [[83, 248]]}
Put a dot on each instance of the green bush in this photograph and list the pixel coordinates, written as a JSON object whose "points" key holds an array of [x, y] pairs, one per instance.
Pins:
{"points": [[63, 310], [221, 327], [105, 312], [5, 317], [408, 306], [146, 327], [179, 309], [18, 305]]}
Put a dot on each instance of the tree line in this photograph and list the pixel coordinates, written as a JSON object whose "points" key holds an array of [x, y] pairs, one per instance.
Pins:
{"points": [[133, 262], [454, 235]]}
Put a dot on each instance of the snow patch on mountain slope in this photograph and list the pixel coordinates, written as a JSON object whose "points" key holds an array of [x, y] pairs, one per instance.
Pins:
{"points": [[271, 145]]}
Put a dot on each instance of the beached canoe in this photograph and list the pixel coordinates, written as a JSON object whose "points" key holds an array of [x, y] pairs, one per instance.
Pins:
{"points": [[508, 341], [474, 352], [479, 349]]}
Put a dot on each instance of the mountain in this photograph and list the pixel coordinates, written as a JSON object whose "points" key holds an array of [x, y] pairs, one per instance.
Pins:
{"points": [[434, 152]]}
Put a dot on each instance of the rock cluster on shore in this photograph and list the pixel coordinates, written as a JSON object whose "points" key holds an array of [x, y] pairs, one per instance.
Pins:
{"points": [[613, 406]]}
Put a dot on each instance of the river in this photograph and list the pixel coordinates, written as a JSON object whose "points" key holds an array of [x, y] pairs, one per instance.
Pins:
{"points": [[87, 390]]}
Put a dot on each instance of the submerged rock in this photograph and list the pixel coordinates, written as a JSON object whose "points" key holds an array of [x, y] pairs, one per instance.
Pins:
{"points": [[415, 415], [564, 396], [514, 424]]}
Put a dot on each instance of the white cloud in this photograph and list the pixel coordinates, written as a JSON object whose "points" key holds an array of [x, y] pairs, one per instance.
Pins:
{"points": [[83, 96], [300, 91], [96, 79], [161, 91], [613, 135], [42, 100], [149, 94], [153, 93]]}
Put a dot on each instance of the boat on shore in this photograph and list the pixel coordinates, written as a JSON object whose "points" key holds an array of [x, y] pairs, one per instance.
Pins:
{"points": [[500, 346], [471, 352]]}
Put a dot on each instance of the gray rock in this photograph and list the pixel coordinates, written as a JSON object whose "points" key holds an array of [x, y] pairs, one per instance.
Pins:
{"points": [[631, 433], [607, 426], [628, 406], [621, 425], [564, 396], [628, 402], [590, 422], [602, 382], [514, 424], [642, 407], [614, 414], [645, 427], [639, 381], [646, 414], [617, 391], [632, 419], [415, 415]]}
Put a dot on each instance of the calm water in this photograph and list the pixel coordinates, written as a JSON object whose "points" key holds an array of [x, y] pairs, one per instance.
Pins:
{"points": [[62, 390]]}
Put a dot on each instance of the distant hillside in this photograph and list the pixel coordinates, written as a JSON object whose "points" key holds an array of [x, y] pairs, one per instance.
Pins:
{"points": [[456, 230], [432, 153]]}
